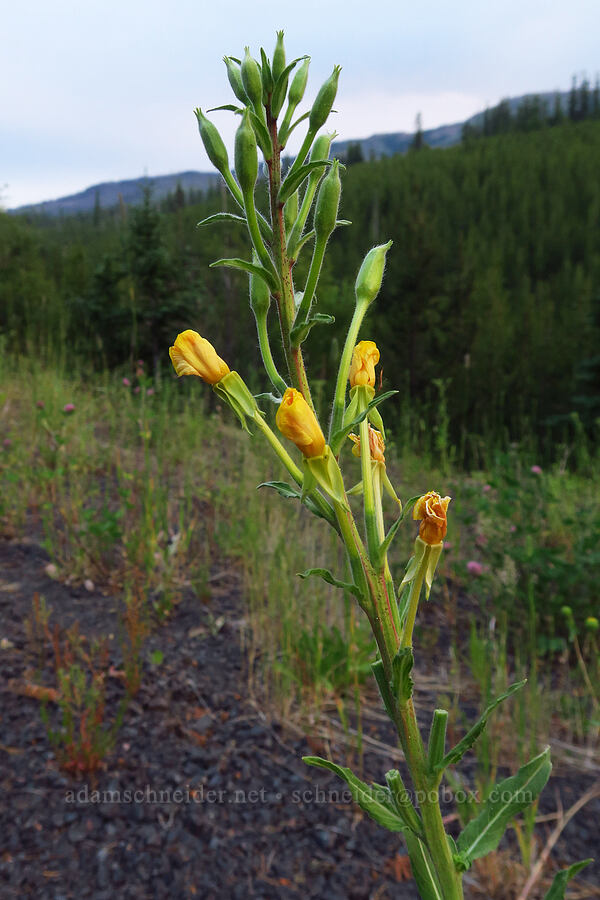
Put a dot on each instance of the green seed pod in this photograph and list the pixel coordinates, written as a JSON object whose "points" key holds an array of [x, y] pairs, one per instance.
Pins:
{"points": [[235, 80], [266, 76], [298, 85], [567, 612], [278, 64], [290, 212], [328, 201], [370, 276], [592, 624], [324, 101], [251, 79], [260, 295], [246, 155], [213, 144]]}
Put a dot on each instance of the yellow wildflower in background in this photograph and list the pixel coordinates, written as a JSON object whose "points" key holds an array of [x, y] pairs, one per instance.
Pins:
{"points": [[194, 355], [297, 422]]}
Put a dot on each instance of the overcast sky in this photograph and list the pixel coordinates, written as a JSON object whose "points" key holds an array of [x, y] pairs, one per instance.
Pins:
{"points": [[101, 91]]}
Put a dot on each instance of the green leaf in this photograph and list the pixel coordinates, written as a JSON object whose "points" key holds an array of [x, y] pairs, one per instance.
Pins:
{"points": [[230, 107], [423, 869], [326, 575], [557, 891], [340, 436], [384, 547], [250, 268], [384, 687], [283, 138], [508, 797], [471, 736], [402, 683], [295, 179], [262, 135], [221, 217], [375, 800], [290, 492], [299, 333]]}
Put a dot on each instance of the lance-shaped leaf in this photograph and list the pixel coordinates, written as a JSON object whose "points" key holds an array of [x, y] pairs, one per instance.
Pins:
{"points": [[263, 137], [221, 217], [290, 492], [340, 436], [557, 891], [375, 799], [230, 107], [326, 575], [295, 179], [250, 268], [280, 89], [384, 687], [299, 333], [507, 799], [423, 869], [457, 752], [385, 545], [285, 133]]}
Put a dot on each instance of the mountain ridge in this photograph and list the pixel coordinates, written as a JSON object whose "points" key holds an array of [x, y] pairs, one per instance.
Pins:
{"points": [[109, 194]]}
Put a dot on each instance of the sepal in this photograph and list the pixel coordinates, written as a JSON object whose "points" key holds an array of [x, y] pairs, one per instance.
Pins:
{"points": [[324, 471], [232, 389]]}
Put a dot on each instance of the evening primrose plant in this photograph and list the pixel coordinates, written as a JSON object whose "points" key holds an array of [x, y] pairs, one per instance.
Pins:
{"points": [[302, 214]]}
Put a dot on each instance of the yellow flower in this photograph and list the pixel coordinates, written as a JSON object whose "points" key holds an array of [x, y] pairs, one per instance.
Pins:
{"points": [[376, 445], [297, 422], [431, 509], [362, 368], [194, 355]]}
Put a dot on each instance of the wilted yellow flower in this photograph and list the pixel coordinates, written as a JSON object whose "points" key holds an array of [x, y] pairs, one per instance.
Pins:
{"points": [[376, 445], [194, 355], [297, 422], [431, 509], [362, 368]]}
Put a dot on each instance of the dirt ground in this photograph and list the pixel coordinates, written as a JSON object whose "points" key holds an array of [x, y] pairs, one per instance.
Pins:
{"points": [[202, 796]]}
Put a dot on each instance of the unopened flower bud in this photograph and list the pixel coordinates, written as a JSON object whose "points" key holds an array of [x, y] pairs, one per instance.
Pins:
{"points": [[235, 80], [370, 275], [324, 101], [362, 368], [251, 79], [431, 509], [213, 144], [290, 211], [592, 624], [321, 147], [278, 64], [298, 85], [194, 355], [328, 201], [246, 155], [260, 295], [297, 422]]}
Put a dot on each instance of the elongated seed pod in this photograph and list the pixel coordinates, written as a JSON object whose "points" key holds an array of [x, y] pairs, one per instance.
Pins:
{"points": [[328, 201], [324, 101], [246, 155], [235, 80], [251, 79], [290, 212], [213, 144]]}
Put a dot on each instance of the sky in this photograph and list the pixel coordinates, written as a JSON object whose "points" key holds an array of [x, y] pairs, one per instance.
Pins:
{"points": [[102, 91]]}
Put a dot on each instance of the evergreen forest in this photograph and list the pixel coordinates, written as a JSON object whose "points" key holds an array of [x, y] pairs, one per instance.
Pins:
{"points": [[489, 317]]}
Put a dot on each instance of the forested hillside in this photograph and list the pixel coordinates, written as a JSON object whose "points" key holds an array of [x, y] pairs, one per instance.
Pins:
{"points": [[489, 314]]}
